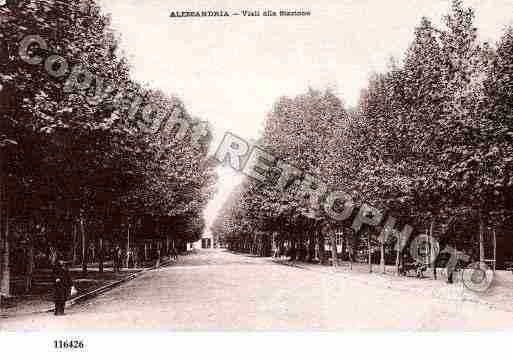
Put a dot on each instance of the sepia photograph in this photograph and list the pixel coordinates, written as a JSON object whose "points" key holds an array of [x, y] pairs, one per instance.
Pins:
{"points": [[255, 166]]}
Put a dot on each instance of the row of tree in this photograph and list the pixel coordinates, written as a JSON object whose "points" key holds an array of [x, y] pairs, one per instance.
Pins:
{"points": [[78, 167], [429, 143]]}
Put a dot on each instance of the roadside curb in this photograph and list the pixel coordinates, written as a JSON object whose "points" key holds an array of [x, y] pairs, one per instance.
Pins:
{"points": [[292, 264], [94, 293]]}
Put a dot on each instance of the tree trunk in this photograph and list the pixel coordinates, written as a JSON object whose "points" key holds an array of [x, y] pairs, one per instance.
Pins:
{"points": [[299, 246], [382, 257], [75, 244], [84, 245], [322, 253], [5, 282], [494, 250], [157, 262], [343, 245], [30, 265], [127, 244], [481, 242], [311, 243], [350, 243], [100, 256], [93, 253], [4, 239], [370, 253], [432, 243], [398, 260], [5, 285], [351, 258], [334, 257]]}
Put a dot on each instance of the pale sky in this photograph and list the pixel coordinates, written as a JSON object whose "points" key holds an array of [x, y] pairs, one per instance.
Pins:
{"points": [[230, 70]]}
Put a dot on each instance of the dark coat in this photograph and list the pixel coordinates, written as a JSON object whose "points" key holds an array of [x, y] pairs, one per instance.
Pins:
{"points": [[62, 283]]}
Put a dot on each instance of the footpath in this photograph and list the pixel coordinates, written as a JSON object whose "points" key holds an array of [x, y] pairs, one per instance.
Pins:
{"points": [[89, 285], [498, 296]]}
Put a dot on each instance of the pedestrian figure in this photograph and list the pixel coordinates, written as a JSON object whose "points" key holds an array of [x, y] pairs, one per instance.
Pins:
{"points": [[62, 286], [136, 257], [100, 258], [118, 256], [450, 277], [130, 258], [174, 253], [53, 256], [157, 261], [450, 273], [115, 259]]}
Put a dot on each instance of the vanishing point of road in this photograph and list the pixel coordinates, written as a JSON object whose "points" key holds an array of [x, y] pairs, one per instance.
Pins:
{"points": [[219, 290]]}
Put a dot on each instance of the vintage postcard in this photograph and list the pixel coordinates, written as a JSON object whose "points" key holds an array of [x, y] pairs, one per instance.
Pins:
{"points": [[255, 166]]}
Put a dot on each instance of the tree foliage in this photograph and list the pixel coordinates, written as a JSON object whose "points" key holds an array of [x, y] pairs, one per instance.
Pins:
{"points": [[429, 142]]}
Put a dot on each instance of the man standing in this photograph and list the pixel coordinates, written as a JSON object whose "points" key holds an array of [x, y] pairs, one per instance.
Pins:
{"points": [[62, 286], [136, 257], [120, 258], [116, 256]]}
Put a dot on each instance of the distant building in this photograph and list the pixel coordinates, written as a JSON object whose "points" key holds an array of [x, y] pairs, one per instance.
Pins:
{"points": [[208, 242], [194, 245]]}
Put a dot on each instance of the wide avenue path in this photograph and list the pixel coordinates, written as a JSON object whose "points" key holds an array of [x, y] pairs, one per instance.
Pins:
{"points": [[218, 290]]}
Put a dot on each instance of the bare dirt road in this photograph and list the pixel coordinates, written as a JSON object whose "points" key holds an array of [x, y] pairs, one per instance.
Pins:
{"points": [[217, 290]]}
